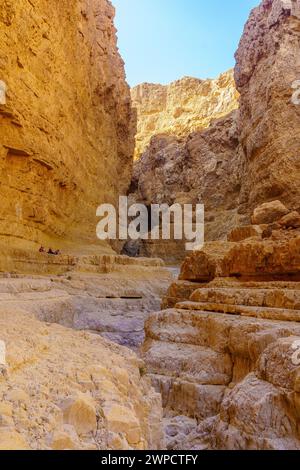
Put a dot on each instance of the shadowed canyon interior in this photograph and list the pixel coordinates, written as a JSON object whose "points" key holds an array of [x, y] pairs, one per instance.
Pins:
{"points": [[168, 349]]}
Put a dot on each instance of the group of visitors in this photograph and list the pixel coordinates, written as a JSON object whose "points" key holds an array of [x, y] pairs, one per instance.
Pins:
{"points": [[50, 251]]}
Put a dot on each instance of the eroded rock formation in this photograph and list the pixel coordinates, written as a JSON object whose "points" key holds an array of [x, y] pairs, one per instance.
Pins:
{"points": [[245, 158], [185, 148], [268, 65], [182, 107], [225, 352], [66, 133], [201, 167], [62, 390]]}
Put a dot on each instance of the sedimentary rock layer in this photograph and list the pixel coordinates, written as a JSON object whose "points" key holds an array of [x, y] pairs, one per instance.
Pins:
{"points": [[225, 353], [66, 138], [266, 74], [64, 390], [246, 158], [227, 382], [182, 107]]}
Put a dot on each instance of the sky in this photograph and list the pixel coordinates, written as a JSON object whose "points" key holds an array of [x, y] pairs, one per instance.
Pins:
{"points": [[164, 40]]}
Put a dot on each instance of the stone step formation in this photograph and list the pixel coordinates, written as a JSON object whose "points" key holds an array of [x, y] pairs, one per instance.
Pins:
{"points": [[258, 312], [225, 350], [64, 381]]}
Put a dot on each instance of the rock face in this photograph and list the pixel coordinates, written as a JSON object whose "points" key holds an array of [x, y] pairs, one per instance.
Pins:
{"points": [[108, 295], [241, 160], [225, 353], [66, 129], [266, 74], [183, 106], [187, 134], [93, 399], [200, 167]]}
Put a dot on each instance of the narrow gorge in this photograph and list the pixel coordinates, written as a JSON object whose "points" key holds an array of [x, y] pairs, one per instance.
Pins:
{"points": [[139, 344]]}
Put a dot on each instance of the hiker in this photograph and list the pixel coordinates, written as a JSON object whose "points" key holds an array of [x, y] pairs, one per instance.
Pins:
{"points": [[42, 249], [57, 252], [51, 252]]}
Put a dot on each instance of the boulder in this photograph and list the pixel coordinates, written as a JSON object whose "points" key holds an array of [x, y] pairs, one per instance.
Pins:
{"points": [[12, 440], [291, 220], [269, 212], [206, 264], [80, 412]]}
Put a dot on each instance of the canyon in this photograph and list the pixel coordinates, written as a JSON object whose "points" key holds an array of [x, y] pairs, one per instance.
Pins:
{"points": [[168, 349], [242, 150], [66, 144], [66, 123]]}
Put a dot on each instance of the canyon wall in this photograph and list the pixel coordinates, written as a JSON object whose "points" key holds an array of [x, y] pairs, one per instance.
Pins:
{"points": [[189, 153], [245, 158], [182, 107], [203, 167], [224, 350], [66, 128], [266, 72], [66, 146]]}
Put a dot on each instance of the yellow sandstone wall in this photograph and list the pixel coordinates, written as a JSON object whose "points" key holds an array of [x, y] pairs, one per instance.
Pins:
{"points": [[66, 133], [183, 106]]}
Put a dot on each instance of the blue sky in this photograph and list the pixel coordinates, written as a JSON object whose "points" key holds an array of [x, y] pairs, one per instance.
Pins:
{"points": [[163, 40]]}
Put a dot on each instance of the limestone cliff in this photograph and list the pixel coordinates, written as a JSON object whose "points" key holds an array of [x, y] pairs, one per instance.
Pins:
{"points": [[200, 167], [186, 150], [182, 107], [66, 138], [245, 158], [266, 72]]}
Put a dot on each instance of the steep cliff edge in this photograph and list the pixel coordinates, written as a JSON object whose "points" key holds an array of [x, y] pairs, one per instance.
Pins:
{"points": [[66, 133]]}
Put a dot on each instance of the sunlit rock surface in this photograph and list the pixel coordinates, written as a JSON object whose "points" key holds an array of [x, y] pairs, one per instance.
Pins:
{"points": [[181, 107], [225, 351], [239, 161], [66, 133]]}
